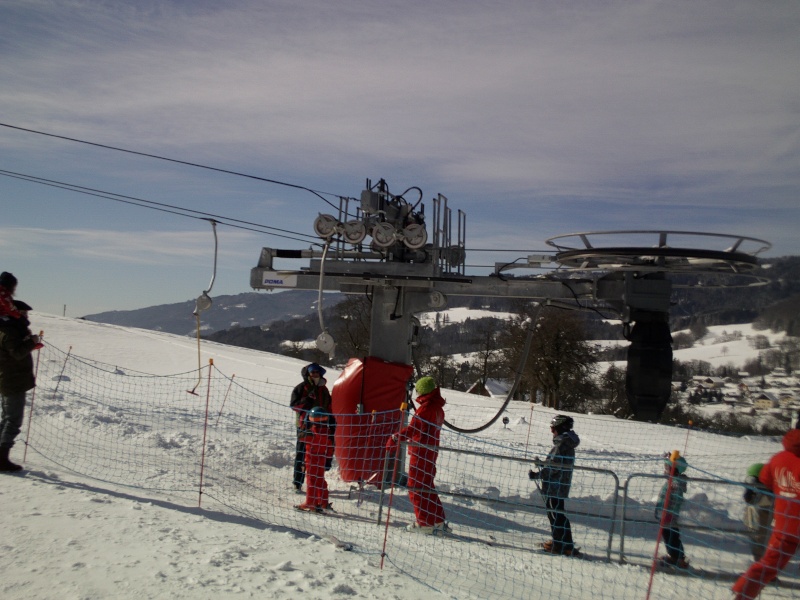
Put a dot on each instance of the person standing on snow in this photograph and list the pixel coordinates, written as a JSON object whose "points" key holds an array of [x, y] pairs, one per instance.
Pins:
{"points": [[556, 477], [16, 377], [670, 530], [781, 476], [318, 450], [422, 433], [305, 396]]}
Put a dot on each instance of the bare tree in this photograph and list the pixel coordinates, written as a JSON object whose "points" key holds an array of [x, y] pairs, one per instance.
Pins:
{"points": [[350, 326], [489, 355], [615, 399], [560, 363]]}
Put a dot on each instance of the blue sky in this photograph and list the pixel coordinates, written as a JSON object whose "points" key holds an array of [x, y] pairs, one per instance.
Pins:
{"points": [[535, 118]]}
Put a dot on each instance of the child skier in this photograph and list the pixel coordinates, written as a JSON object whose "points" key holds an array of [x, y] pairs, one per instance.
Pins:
{"points": [[670, 501], [318, 449], [758, 512], [556, 476], [423, 433]]}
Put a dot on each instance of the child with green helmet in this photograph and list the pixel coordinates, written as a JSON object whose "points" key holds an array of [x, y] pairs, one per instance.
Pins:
{"points": [[422, 433]]}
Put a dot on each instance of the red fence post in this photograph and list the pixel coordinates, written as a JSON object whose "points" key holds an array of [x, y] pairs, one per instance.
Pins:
{"points": [[205, 429], [33, 398]]}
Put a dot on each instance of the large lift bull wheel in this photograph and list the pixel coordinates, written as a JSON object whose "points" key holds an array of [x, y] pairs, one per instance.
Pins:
{"points": [[731, 260]]}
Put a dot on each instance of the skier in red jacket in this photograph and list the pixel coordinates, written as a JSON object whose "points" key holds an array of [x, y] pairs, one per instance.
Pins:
{"points": [[423, 430], [782, 476], [319, 449]]}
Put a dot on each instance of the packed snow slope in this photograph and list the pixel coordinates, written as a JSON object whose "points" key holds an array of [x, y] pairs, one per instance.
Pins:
{"points": [[108, 503]]}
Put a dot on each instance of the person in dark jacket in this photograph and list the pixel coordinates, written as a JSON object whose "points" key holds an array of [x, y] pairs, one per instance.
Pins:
{"points": [[311, 392], [556, 477], [16, 378]]}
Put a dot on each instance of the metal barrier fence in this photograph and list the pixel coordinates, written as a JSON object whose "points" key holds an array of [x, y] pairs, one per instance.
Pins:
{"points": [[605, 513], [686, 524]]}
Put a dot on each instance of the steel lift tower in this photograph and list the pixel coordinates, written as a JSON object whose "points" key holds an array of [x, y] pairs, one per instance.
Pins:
{"points": [[410, 266]]}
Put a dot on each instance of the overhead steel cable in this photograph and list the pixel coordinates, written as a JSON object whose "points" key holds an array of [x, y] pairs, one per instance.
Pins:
{"points": [[317, 193], [162, 207]]}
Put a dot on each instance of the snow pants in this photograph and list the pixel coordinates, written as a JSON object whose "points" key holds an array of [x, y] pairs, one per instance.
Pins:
{"points": [[672, 540], [559, 524], [299, 463], [427, 506], [779, 552], [316, 486], [13, 412], [760, 529]]}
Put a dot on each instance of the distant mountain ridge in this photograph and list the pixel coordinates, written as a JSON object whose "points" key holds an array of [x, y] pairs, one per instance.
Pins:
{"points": [[250, 309]]}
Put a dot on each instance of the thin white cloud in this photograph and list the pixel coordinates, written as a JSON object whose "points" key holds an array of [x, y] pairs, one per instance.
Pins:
{"points": [[562, 97], [536, 117]]}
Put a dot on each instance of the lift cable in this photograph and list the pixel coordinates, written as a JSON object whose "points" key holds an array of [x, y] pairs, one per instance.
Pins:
{"points": [[317, 193], [180, 211], [150, 204], [531, 326]]}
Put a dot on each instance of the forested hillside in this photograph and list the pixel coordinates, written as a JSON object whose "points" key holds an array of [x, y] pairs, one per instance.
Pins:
{"points": [[722, 306]]}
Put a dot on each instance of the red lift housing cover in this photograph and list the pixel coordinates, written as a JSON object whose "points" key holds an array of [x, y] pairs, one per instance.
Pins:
{"points": [[366, 401]]}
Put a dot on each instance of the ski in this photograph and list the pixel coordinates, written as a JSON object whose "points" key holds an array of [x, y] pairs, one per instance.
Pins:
{"points": [[576, 552], [316, 511], [689, 570], [489, 541]]}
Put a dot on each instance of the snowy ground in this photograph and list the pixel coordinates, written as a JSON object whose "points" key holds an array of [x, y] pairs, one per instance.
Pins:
{"points": [[78, 526]]}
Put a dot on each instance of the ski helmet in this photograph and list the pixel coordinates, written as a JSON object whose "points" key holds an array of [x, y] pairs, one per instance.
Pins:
{"points": [[754, 470], [425, 385], [680, 465], [562, 423], [318, 415]]}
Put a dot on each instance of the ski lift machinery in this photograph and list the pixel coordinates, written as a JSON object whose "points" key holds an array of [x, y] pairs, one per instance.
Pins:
{"points": [[386, 247]]}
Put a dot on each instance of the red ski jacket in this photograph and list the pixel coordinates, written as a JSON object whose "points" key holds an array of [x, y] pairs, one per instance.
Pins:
{"points": [[424, 428], [782, 476]]}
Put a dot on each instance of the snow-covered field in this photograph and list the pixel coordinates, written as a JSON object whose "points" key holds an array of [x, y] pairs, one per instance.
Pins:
{"points": [[108, 504]]}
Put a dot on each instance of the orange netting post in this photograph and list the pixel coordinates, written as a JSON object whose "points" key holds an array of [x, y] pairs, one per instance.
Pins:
{"points": [[225, 399], [33, 398], [403, 408], [205, 430], [673, 457]]}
